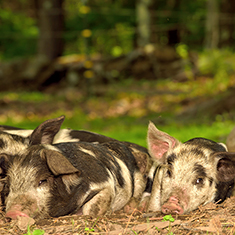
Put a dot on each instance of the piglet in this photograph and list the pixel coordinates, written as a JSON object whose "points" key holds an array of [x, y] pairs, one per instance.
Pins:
{"points": [[14, 142], [71, 178], [186, 175]]}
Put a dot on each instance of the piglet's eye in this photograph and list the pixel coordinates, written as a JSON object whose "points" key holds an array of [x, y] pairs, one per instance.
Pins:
{"points": [[41, 182], [199, 181], [168, 173]]}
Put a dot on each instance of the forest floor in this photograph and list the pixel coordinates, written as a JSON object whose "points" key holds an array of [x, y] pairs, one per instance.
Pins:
{"points": [[208, 219]]}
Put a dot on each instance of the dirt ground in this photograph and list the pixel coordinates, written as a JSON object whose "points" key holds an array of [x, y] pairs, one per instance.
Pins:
{"points": [[208, 219]]}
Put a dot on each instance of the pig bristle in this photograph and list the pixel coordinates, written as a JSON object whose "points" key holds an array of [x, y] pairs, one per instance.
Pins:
{"points": [[88, 151], [70, 181], [11, 145]]}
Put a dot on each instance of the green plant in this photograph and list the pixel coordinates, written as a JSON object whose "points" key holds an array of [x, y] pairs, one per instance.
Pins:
{"points": [[34, 232], [20, 35], [73, 222], [134, 232], [89, 229], [170, 219]]}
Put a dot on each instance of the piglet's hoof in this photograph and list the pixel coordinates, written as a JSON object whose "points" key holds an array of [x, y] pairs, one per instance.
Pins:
{"points": [[131, 206]]}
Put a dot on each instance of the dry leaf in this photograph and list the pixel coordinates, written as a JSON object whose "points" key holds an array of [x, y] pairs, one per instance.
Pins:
{"points": [[163, 224], [214, 226], [24, 222], [208, 229], [116, 229]]}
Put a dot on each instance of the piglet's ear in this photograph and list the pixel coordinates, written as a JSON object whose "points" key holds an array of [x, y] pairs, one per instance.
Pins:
{"points": [[225, 166], [4, 162], [57, 163], [45, 132], [159, 142]]}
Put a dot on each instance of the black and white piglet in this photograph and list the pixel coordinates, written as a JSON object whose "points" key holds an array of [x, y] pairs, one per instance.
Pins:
{"points": [[14, 141], [186, 175], [71, 178]]}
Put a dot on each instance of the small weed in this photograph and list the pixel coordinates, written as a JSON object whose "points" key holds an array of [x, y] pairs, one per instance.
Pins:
{"points": [[73, 222], [134, 232], [157, 229], [34, 232], [170, 219], [89, 229]]}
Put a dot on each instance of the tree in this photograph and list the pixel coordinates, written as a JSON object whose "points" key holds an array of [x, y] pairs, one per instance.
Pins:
{"points": [[173, 33], [227, 26], [51, 26], [143, 22], [212, 24]]}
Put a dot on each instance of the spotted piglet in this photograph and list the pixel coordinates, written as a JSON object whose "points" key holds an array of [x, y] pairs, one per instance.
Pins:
{"points": [[71, 178], [14, 142], [186, 175]]}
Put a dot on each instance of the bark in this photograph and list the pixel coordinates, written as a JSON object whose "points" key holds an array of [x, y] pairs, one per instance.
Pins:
{"points": [[51, 25], [143, 22], [173, 34], [212, 24], [227, 25]]}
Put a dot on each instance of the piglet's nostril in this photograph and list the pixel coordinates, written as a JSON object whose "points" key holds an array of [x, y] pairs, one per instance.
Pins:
{"points": [[165, 210], [172, 206]]}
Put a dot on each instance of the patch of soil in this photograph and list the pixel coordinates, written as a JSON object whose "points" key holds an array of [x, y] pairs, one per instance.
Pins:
{"points": [[208, 219]]}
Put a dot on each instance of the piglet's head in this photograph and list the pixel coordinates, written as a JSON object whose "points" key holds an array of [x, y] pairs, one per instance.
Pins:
{"points": [[159, 143], [42, 186], [65, 177]]}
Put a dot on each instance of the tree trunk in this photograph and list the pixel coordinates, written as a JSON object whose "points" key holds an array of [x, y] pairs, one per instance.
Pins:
{"points": [[212, 24], [51, 26], [173, 34], [227, 26], [143, 22]]}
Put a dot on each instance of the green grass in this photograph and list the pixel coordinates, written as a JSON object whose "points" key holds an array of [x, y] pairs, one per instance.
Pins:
{"points": [[132, 129], [135, 130], [142, 101]]}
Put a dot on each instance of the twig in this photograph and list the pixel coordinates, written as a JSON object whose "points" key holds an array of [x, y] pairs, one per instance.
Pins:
{"points": [[128, 222]]}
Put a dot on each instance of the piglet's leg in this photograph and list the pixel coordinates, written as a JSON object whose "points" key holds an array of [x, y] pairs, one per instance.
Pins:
{"points": [[155, 197], [131, 206], [100, 204]]}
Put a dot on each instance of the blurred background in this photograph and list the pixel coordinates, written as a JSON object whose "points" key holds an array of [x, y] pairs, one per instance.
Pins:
{"points": [[110, 66]]}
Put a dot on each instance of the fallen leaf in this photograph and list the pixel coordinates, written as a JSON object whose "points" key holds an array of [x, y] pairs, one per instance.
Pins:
{"points": [[163, 224], [208, 229], [24, 222], [215, 223], [116, 229], [214, 226]]}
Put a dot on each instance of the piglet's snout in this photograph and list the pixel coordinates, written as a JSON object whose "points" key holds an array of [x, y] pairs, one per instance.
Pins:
{"points": [[13, 214], [172, 206], [23, 206], [15, 211]]}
